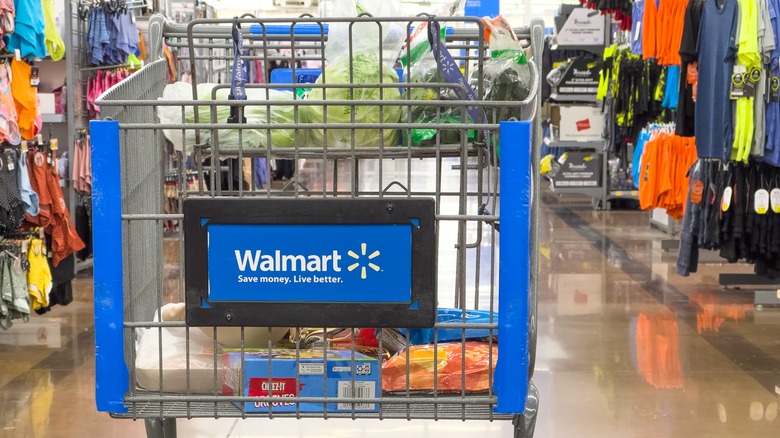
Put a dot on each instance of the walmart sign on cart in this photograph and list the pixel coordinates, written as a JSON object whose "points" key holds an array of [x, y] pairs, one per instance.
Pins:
{"points": [[333, 263], [284, 262]]}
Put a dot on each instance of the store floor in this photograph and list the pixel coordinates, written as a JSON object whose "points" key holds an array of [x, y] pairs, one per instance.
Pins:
{"points": [[626, 349]]}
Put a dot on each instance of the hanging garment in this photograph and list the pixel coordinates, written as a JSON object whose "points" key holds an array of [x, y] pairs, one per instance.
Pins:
{"points": [[686, 109], [766, 44], [26, 100], [28, 195], [38, 276], [717, 52], [637, 13], [665, 161], [84, 230], [14, 300], [98, 37], [54, 215], [55, 47], [7, 20], [28, 36], [11, 206], [749, 59], [81, 167], [127, 39], [9, 127], [772, 148], [61, 293], [141, 52]]}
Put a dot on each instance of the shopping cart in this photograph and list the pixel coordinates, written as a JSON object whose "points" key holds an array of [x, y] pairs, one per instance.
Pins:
{"points": [[452, 190]]}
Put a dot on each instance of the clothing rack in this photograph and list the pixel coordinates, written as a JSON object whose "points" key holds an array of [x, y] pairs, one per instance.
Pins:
{"points": [[107, 67]]}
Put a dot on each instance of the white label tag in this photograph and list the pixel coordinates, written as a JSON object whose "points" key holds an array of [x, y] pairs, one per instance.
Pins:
{"points": [[11, 165], [18, 54], [725, 202], [740, 69], [311, 369], [762, 201], [547, 141], [774, 197], [637, 34]]}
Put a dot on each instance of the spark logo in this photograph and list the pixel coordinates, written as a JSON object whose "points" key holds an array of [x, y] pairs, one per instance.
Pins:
{"points": [[360, 265]]}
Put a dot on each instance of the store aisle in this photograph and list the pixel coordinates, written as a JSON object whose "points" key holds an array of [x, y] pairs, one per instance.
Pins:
{"points": [[626, 349]]}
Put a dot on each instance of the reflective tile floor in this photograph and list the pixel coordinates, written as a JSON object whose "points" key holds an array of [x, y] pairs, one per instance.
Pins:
{"points": [[626, 349]]}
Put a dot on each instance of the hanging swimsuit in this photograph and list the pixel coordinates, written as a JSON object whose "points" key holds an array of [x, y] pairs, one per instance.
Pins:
{"points": [[54, 44], [26, 99], [11, 208], [39, 276], [9, 128], [13, 280], [28, 195]]}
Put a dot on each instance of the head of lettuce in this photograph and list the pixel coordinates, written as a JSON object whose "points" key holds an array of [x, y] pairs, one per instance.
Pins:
{"points": [[366, 70]]}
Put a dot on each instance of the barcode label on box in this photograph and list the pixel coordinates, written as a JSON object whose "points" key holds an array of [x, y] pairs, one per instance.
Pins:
{"points": [[362, 390]]}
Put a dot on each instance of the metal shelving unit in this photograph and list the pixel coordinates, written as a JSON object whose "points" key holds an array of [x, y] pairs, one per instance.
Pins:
{"points": [[576, 144]]}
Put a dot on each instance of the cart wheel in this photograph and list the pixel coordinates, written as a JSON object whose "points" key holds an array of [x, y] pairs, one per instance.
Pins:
{"points": [[525, 424], [160, 427]]}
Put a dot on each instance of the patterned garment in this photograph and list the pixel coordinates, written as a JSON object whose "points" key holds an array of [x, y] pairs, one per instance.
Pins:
{"points": [[9, 128], [54, 215]]}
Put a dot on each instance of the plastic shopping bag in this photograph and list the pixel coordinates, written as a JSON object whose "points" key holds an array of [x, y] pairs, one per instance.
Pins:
{"points": [[451, 362], [361, 65], [254, 114]]}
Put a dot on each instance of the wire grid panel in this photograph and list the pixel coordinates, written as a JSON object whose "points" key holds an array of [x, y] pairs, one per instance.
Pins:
{"points": [[460, 175]]}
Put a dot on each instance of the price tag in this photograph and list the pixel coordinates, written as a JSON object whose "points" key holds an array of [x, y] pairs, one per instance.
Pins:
{"points": [[35, 78], [18, 54], [54, 144], [774, 197], [24, 145], [725, 201], [11, 165], [761, 201]]}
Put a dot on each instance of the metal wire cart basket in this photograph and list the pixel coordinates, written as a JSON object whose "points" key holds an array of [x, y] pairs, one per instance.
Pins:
{"points": [[365, 285]]}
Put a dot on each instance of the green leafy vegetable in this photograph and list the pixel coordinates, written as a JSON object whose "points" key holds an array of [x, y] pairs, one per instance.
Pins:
{"points": [[365, 70]]}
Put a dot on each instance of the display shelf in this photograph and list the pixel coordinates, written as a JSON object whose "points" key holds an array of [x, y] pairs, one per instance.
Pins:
{"points": [[53, 118], [624, 194], [597, 49], [594, 192], [569, 144], [573, 98]]}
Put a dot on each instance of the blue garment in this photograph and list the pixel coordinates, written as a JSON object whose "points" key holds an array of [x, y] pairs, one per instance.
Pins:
{"points": [[636, 162], [261, 173], [717, 48], [672, 93], [772, 148], [28, 36], [97, 36], [126, 34], [29, 197], [637, 12]]}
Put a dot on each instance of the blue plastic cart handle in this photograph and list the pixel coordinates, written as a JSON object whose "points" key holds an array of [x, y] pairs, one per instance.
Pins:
{"points": [[302, 29]]}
